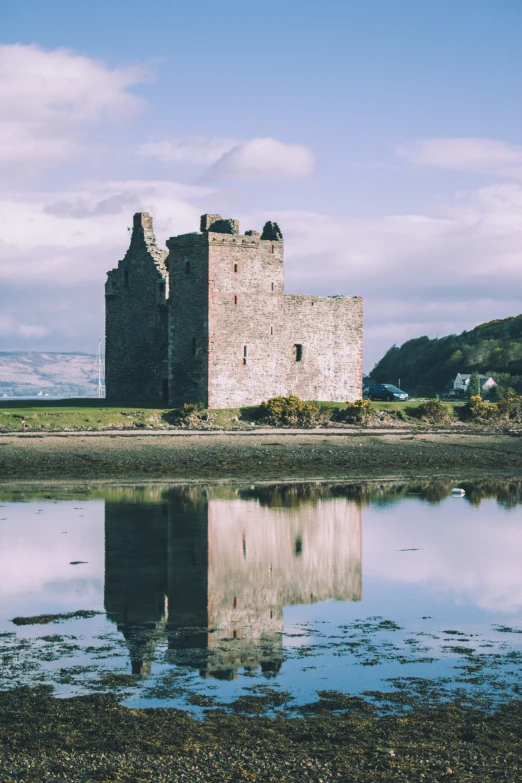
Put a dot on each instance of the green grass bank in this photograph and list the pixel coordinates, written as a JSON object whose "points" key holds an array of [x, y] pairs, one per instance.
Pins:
{"points": [[78, 415]]}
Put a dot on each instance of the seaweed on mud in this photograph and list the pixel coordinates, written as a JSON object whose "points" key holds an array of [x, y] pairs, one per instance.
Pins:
{"points": [[334, 701], [257, 704], [43, 619]]}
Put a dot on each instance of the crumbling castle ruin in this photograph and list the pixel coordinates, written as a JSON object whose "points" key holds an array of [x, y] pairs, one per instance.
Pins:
{"points": [[208, 321]]}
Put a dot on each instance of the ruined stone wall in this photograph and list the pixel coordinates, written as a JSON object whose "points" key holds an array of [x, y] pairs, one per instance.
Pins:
{"points": [[188, 319], [252, 341], [246, 283], [323, 347], [233, 337], [136, 320]]}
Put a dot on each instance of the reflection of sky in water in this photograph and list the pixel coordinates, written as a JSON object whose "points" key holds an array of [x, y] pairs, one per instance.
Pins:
{"points": [[220, 591]]}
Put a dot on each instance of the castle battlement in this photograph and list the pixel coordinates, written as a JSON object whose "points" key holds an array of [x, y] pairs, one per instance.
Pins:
{"points": [[210, 322]]}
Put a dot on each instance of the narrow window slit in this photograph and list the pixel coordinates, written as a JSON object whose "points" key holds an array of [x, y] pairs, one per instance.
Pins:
{"points": [[245, 354], [273, 286], [235, 299], [235, 267], [298, 352]]}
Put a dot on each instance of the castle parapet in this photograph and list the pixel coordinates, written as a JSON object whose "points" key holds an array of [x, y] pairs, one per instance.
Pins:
{"points": [[218, 225]]}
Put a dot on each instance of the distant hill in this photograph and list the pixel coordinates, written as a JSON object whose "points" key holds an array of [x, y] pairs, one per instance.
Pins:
{"points": [[427, 366], [27, 374]]}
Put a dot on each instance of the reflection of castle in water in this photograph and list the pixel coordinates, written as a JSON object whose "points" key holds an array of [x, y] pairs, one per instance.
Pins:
{"points": [[212, 574]]}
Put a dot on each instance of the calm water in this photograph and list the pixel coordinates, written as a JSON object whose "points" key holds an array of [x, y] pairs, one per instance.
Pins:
{"points": [[208, 594]]}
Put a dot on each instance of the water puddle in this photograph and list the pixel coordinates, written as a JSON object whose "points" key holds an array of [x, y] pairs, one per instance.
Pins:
{"points": [[277, 598]]}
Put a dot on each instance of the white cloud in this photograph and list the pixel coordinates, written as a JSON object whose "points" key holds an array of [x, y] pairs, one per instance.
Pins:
{"points": [[78, 235], [230, 159], [10, 327], [264, 159], [49, 98], [199, 150], [420, 274], [485, 573], [481, 156]]}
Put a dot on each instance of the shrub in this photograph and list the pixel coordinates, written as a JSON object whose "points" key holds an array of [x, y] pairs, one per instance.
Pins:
{"points": [[192, 414], [433, 412], [510, 407], [480, 411], [293, 412], [358, 412]]}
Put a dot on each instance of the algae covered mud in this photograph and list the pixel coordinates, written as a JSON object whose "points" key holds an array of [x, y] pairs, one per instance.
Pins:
{"points": [[323, 631]]}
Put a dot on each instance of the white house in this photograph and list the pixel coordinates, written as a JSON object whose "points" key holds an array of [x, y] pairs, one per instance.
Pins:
{"points": [[461, 382]]}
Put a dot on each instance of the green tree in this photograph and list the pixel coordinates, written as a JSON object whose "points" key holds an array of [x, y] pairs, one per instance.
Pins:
{"points": [[474, 384]]}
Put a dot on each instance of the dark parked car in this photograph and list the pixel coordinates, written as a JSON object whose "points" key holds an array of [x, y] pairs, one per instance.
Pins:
{"points": [[386, 391], [455, 394]]}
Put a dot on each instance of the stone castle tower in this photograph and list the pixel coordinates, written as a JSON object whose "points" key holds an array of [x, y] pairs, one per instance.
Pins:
{"points": [[209, 322]]}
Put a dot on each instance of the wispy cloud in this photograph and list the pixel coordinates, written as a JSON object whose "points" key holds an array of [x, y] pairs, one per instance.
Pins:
{"points": [[497, 159], [50, 98], [77, 235], [264, 159], [231, 159], [198, 150], [11, 327]]}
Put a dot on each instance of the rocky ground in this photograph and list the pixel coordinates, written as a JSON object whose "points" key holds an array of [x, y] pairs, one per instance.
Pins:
{"points": [[92, 738], [269, 455]]}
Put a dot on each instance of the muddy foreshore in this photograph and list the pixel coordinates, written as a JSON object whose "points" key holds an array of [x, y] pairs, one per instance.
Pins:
{"points": [[90, 738], [268, 456]]}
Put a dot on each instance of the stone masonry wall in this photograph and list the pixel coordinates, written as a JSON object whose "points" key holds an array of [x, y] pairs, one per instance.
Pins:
{"points": [[188, 319], [263, 342], [136, 320], [246, 312], [233, 337], [329, 331]]}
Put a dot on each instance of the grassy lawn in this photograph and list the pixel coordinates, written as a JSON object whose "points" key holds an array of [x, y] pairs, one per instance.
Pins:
{"points": [[90, 415], [403, 406], [20, 415]]}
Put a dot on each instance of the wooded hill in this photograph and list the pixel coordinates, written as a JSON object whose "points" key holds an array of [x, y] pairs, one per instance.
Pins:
{"points": [[427, 367]]}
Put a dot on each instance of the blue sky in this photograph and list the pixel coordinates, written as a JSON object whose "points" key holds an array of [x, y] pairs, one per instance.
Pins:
{"points": [[385, 138]]}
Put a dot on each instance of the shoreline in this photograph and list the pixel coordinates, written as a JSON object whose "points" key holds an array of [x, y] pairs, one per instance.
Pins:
{"points": [[271, 455]]}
